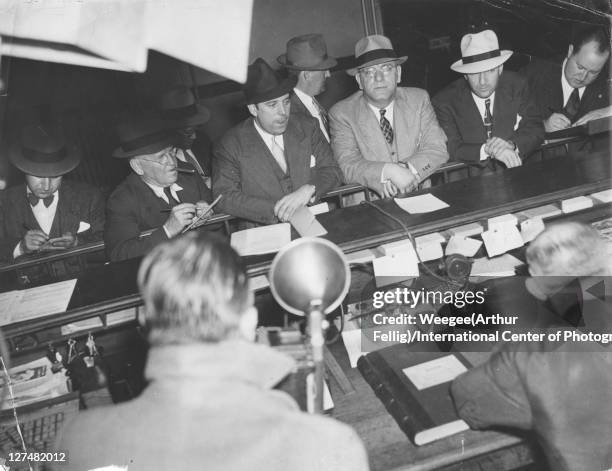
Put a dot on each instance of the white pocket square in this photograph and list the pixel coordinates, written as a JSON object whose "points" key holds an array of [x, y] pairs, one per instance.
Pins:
{"points": [[518, 121], [313, 161], [83, 226]]}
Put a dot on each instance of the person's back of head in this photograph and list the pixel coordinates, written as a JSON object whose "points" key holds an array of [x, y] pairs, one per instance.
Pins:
{"points": [[568, 249], [195, 289]]}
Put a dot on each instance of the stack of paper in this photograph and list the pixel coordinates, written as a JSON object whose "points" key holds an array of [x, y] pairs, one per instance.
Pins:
{"points": [[498, 266], [261, 240], [467, 230], [465, 246], [576, 204], [530, 229], [542, 212], [429, 247], [305, 223], [603, 196]]}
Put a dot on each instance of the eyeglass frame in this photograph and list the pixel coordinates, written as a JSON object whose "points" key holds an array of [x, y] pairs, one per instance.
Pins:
{"points": [[385, 68], [172, 152]]}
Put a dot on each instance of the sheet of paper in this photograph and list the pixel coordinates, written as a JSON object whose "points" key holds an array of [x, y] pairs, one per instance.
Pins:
{"points": [[85, 324], [467, 230], [319, 208], [261, 240], [434, 372], [530, 228], [498, 266], [543, 212], [43, 301], [603, 196], [429, 251], [306, 224], [119, 317], [426, 203], [463, 245], [352, 343], [576, 204], [499, 241], [433, 237], [499, 222], [259, 282], [398, 246]]}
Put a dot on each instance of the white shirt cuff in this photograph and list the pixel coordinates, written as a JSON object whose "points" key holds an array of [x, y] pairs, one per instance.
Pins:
{"points": [[483, 154], [382, 174], [166, 231], [413, 170], [17, 252]]}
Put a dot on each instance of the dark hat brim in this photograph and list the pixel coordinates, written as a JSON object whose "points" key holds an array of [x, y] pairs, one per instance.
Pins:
{"points": [[381, 60], [148, 149], [201, 117], [286, 86], [44, 169], [325, 64]]}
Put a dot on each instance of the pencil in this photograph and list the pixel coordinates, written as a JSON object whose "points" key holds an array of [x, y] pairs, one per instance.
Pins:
{"points": [[199, 218]]}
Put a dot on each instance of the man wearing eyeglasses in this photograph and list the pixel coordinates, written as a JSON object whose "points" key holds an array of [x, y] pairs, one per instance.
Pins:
{"points": [[385, 137], [154, 197]]}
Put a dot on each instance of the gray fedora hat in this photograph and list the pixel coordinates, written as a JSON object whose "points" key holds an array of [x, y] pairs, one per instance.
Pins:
{"points": [[307, 52], [372, 50], [42, 152]]}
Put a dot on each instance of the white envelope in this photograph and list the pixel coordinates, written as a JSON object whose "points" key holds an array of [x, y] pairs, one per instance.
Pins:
{"points": [[313, 161], [83, 226]]}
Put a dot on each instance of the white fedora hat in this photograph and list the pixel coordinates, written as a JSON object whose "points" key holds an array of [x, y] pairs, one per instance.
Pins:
{"points": [[372, 50], [480, 52]]}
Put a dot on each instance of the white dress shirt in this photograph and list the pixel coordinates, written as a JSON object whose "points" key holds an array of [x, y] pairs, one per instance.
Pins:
{"points": [[159, 192], [480, 104], [44, 216], [269, 139], [313, 109]]}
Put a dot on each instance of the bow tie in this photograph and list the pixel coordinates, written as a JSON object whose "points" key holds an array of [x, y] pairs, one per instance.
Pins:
{"points": [[33, 199]]}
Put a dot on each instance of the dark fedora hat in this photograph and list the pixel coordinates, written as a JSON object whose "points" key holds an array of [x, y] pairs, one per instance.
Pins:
{"points": [[264, 84], [307, 52], [42, 152], [178, 108], [141, 135]]}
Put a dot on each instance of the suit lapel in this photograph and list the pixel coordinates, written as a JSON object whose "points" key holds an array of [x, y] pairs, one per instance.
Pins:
{"points": [[502, 118], [269, 170], [370, 130], [469, 112], [25, 209]]}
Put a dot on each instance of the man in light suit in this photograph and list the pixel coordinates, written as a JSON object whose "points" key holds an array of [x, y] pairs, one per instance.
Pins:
{"points": [[270, 165], [48, 212], [384, 137], [488, 115], [155, 196], [306, 59]]}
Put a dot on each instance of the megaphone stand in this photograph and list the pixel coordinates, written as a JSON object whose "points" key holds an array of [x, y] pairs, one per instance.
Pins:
{"points": [[317, 341]]}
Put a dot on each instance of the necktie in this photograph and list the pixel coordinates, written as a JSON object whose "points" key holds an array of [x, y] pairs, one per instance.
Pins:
{"points": [[571, 108], [385, 127], [33, 199], [279, 154], [172, 201], [193, 161], [322, 114], [488, 119]]}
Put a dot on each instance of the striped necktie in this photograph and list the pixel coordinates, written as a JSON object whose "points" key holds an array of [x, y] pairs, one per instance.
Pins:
{"points": [[385, 127]]}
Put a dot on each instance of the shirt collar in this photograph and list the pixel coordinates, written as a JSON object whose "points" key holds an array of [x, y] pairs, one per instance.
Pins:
{"points": [[55, 195], [388, 111], [159, 191], [267, 137], [307, 100]]}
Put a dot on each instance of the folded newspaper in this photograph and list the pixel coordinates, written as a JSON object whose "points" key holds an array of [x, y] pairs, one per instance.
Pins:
{"points": [[34, 382]]}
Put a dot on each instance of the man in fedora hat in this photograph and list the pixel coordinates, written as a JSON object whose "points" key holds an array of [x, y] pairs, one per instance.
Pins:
{"points": [[306, 59], [270, 165], [48, 212], [183, 114], [384, 136], [488, 115], [155, 196]]}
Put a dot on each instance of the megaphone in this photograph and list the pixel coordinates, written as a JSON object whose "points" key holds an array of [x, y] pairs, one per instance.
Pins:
{"points": [[310, 277]]}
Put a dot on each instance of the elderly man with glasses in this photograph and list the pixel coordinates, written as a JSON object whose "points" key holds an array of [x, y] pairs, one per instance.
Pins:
{"points": [[154, 197], [385, 137]]}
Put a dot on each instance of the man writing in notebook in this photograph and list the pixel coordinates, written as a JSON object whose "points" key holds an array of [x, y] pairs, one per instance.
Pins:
{"points": [[154, 197], [488, 115], [385, 137], [209, 403], [270, 165]]}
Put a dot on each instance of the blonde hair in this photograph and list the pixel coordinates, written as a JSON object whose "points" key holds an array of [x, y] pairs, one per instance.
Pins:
{"points": [[569, 249], [194, 288]]}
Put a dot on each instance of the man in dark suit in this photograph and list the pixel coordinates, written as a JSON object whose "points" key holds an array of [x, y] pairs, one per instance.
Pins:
{"points": [[577, 90], [488, 116], [48, 212], [385, 137], [270, 165], [155, 197], [306, 59]]}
